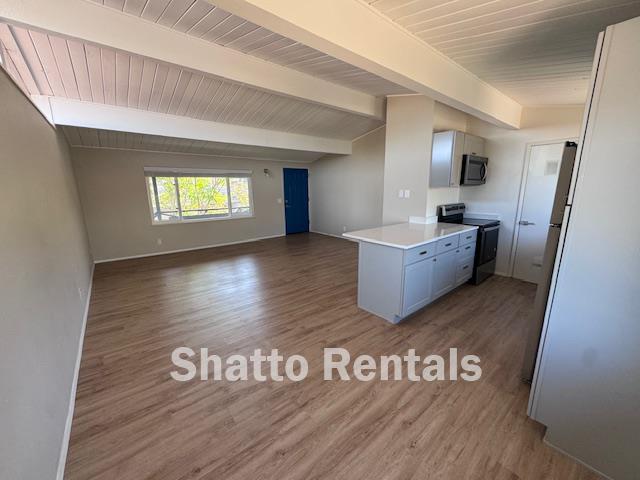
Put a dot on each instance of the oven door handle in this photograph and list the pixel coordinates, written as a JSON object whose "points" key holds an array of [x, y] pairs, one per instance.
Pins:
{"points": [[491, 229]]}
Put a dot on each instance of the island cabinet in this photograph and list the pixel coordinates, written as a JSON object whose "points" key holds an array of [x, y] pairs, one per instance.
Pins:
{"points": [[394, 282]]}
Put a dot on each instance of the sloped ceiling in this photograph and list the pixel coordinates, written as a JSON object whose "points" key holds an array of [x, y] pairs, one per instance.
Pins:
{"points": [[52, 65], [539, 52], [90, 137], [201, 19]]}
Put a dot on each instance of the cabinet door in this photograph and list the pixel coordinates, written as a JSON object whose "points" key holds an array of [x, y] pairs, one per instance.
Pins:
{"points": [[473, 145], [417, 285], [444, 273]]}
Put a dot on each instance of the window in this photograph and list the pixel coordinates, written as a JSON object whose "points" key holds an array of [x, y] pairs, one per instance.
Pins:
{"points": [[196, 195]]}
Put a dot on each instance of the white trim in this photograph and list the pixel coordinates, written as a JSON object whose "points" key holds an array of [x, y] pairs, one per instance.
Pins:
{"points": [[149, 171], [575, 459], [66, 436], [186, 220], [333, 235], [204, 247]]}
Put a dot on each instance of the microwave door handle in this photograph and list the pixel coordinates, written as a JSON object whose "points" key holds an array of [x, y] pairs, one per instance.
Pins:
{"points": [[484, 172]]}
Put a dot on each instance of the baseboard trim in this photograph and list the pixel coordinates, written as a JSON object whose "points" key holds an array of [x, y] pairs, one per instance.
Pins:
{"points": [[64, 448], [577, 460], [333, 235], [204, 247]]}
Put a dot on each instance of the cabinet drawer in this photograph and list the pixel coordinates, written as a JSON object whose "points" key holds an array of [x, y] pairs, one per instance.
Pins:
{"points": [[449, 243], [464, 272], [468, 250], [468, 237], [419, 253]]}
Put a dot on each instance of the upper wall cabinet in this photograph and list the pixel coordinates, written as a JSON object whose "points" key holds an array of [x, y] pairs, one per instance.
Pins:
{"points": [[446, 156]]}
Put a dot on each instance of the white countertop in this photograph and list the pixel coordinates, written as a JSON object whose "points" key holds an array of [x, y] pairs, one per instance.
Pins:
{"points": [[408, 235]]}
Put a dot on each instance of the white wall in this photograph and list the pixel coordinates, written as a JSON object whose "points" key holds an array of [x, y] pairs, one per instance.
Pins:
{"points": [[44, 281], [114, 198], [346, 190], [506, 151], [409, 134]]}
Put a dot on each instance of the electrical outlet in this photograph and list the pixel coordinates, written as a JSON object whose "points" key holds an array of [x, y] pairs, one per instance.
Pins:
{"points": [[159, 240], [344, 228]]}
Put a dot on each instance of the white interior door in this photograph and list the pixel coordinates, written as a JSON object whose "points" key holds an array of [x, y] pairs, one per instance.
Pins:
{"points": [[537, 202]]}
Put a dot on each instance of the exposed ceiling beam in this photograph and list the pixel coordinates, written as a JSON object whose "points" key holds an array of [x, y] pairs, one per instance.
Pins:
{"points": [[353, 32], [75, 113], [96, 24]]}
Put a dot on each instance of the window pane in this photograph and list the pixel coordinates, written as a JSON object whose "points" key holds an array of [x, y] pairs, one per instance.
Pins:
{"points": [[203, 197], [240, 198], [166, 203]]}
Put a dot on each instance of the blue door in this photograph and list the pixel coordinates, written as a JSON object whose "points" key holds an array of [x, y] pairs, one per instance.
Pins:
{"points": [[296, 199]]}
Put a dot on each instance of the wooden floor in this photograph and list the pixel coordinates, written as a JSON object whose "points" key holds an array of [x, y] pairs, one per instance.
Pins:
{"points": [[297, 294]]}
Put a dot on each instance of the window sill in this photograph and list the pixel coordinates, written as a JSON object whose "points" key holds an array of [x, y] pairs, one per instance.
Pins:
{"points": [[201, 220]]}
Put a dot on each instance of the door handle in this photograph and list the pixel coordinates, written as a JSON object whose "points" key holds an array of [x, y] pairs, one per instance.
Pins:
{"points": [[525, 223]]}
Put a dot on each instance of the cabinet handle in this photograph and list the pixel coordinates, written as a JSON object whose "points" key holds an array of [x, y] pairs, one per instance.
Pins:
{"points": [[467, 247], [465, 267], [423, 253], [457, 251], [448, 244], [435, 259]]}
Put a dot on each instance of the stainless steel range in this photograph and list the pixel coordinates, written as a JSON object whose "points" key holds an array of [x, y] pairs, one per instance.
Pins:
{"points": [[487, 244]]}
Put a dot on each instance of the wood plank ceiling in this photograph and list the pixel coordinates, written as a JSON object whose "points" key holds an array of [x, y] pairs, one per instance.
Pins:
{"points": [[52, 65], [93, 138], [539, 52], [200, 19]]}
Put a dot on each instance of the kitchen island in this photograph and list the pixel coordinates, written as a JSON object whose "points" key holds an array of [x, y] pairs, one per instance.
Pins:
{"points": [[404, 267]]}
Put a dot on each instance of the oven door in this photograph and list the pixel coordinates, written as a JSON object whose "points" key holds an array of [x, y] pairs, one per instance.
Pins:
{"points": [[474, 170], [487, 245]]}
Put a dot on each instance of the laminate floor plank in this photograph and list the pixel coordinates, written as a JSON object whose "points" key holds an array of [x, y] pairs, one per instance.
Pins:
{"points": [[132, 421]]}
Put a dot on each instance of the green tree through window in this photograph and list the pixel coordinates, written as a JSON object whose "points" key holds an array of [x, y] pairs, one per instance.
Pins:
{"points": [[175, 199]]}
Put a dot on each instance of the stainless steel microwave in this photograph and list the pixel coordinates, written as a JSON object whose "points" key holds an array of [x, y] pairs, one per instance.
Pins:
{"points": [[474, 170]]}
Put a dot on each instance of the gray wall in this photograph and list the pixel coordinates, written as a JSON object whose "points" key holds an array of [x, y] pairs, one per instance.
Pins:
{"points": [[44, 279], [114, 198], [346, 190]]}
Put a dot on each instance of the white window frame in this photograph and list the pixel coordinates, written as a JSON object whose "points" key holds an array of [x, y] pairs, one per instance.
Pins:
{"points": [[167, 172]]}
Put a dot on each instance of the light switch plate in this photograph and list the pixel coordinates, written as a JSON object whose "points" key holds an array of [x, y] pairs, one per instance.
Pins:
{"points": [[401, 194], [407, 193]]}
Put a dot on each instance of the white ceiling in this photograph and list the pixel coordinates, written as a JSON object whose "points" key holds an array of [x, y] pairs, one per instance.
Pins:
{"points": [[200, 19], [539, 52], [52, 65], [90, 137]]}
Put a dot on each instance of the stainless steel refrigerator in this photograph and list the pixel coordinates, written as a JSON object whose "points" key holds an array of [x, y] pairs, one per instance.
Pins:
{"points": [[561, 207], [586, 384]]}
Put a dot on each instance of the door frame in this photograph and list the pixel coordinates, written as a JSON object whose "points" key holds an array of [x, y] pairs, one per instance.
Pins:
{"points": [[284, 198], [523, 186]]}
